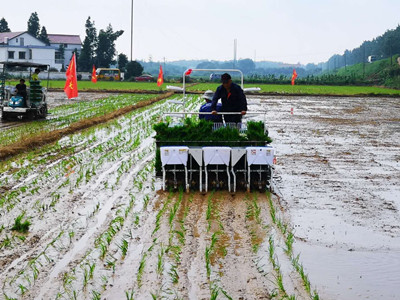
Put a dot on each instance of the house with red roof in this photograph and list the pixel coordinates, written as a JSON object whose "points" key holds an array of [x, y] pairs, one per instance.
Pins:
{"points": [[24, 47], [66, 43]]}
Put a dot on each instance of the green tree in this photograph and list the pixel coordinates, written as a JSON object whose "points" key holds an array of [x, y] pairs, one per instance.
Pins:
{"points": [[86, 58], [33, 24], [4, 26], [133, 68], [246, 65], [43, 36], [122, 61], [105, 51]]}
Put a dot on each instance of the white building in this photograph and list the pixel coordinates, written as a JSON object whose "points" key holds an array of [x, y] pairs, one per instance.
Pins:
{"points": [[22, 46], [69, 42]]}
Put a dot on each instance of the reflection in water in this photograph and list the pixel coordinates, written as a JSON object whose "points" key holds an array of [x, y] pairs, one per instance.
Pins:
{"points": [[349, 275]]}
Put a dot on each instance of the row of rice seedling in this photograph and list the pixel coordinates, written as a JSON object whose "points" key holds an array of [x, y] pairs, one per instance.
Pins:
{"points": [[116, 147], [288, 235], [64, 115], [62, 168], [216, 251]]}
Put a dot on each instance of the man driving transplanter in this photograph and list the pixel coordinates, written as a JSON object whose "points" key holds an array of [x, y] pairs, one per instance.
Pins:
{"points": [[232, 98]]}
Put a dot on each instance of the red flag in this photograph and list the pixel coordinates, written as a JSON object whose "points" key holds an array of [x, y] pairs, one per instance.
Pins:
{"points": [[188, 72], [294, 76], [94, 76], [71, 84], [160, 79]]}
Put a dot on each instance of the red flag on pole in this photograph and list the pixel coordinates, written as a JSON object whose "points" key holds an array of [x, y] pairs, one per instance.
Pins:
{"points": [[160, 79], [294, 76], [188, 72], [94, 76], [71, 84]]}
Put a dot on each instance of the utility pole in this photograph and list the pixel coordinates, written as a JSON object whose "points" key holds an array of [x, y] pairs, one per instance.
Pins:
{"points": [[345, 63], [364, 61], [132, 31], [234, 52], [164, 72]]}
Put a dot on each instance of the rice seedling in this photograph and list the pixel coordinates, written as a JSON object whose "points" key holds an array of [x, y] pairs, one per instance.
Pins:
{"points": [[174, 274], [96, 295], [71, 235], [21, 226], [123, 247], [23, 289], [272, 210], [280, 283], [289, 243], [160, 261], [111, 264], [129, 294], [103, 251], [142, 265], [214, 293], [209, 209]]}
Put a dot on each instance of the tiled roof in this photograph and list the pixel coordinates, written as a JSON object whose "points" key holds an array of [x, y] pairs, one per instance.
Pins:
{"points": [[10, 35], [64, 39]]}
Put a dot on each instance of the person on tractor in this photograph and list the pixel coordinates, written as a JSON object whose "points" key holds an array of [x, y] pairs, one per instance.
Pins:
{"points": [[21, 88], [206, 107], [232, 98], [35, 76]]}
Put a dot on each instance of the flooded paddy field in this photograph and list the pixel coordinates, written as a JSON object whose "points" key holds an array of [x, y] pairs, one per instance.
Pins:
{"points": [[338, 177], [100, 228]]}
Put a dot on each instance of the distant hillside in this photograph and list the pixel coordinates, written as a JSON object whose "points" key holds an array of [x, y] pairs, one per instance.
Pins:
{"points": [[383, 46], [382, 72]]}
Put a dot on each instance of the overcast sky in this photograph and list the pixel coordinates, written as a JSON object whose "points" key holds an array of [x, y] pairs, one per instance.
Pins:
{"points": [[277, 30]]}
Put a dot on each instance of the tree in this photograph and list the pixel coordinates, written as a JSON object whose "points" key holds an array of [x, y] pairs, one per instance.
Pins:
{"points": [[122, 62], [43, 36], [86, 58], [33, 24], [4, 26], [246, 65], [105, 51], [133, 68]]}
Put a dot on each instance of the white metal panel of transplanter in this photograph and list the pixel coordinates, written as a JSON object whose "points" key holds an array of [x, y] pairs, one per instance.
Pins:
{"points": [[217, 155], [260, 155], [174, 155]]}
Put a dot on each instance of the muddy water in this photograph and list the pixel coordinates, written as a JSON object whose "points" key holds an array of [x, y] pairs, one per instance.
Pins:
{"points": [[338, 173]]}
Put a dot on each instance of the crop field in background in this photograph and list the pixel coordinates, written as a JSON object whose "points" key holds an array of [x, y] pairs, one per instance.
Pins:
{"points": [[101, 85], [201, 87], [306, 89]]}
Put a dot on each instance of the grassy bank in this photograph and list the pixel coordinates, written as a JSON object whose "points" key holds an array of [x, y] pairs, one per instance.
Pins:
{"points": [[201, 87], [308, 89]]}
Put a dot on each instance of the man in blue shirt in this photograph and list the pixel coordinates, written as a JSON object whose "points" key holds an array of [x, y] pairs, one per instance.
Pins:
{"points": [[206, 107], [232, 98]]}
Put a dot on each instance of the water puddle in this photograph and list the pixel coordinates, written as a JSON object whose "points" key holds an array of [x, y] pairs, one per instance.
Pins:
{"points": [[349, 275]]}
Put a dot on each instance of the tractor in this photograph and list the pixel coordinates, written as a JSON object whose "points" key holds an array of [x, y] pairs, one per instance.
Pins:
{"points": [[31, 106], [187, 159]]}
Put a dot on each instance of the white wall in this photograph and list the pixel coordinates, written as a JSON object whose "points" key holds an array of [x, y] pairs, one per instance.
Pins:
{"points": [[28, 41]]}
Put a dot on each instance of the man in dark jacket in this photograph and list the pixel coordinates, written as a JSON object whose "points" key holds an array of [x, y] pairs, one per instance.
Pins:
{"points": [[232, 98], [21, 88]]}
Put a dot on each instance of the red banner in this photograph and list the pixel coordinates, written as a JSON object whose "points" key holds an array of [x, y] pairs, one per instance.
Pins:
{"points": [[94, 76], [294, 76], [160, 79], [188, 72], [71, 84]]}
